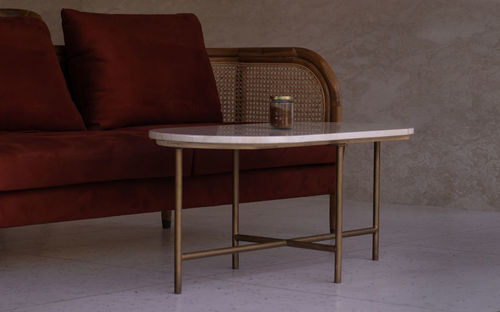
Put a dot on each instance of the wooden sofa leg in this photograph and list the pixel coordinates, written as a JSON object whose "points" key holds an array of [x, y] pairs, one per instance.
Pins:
{"points": [[166, 219], [333, 212]]}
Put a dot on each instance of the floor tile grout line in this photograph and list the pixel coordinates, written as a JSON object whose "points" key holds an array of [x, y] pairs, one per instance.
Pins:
{"points": [[186, 278], [234, 282], [334, 295], [402, 241], [93, 262], [437, 236], [82, 297], [466, 251], [26, 252], [430, 248], [428, 237], [140, 269], [252, 270], [138, 239], [215, 274], [187, 275]]}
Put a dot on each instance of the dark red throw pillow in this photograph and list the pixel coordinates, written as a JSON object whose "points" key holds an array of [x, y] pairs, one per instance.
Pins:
{"points": [[33, 92], [139, 69]]}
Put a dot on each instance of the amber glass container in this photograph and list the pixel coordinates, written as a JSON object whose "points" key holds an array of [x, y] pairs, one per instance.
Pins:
{"points": [[281, 111]]}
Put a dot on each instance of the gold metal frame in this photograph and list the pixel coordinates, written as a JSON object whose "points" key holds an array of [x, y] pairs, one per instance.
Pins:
{"points": [[178, 220], [260, 242]]}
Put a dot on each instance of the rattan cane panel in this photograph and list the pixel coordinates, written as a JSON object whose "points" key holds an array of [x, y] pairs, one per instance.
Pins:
{"points": [[244, 90]]}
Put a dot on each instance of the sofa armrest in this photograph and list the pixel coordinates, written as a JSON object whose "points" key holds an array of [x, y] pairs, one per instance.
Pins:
{"points": [[18, 12], [246, 77]]}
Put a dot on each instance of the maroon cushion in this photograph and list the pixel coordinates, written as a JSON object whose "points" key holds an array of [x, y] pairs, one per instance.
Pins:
{"points": [[139, 69], [218, 161], [33, 92], [46, 159]]}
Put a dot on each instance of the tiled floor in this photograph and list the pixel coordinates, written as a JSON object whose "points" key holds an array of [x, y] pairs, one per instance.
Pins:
{"points": [[431, 259]]}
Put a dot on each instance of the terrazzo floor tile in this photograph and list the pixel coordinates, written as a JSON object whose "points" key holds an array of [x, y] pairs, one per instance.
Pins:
{"points": [[29, 280], [432, 259], [217, 295], [59, 235], [150, 252], [434, 279], [484, 241]]}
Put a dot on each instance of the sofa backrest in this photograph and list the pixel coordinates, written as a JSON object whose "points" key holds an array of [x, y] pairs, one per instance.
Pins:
{"points": [[18, 12], [246, 77]]}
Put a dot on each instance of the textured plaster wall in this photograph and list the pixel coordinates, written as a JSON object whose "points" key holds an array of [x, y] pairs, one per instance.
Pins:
{"points": [[430, 64]]}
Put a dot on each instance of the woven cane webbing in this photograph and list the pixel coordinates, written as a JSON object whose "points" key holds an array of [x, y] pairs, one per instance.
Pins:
{"points": [[245, 88]]}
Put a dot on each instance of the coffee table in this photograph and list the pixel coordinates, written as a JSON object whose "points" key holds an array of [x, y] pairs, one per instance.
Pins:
{"points": [[262, 136]]}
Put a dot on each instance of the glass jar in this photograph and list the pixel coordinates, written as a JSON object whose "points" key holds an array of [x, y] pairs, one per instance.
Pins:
{"points": [[281, 111]]}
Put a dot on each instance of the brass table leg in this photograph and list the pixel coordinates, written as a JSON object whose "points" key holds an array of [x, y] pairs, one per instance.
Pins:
{"points": [[338, 225], [236, 203], [178, 220], [376, 200], [166, 219], [336, 220]]}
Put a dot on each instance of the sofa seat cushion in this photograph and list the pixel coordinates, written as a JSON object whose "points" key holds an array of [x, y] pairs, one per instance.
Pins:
{"points": [[46, 159], [128, 69], [219, 161], [33, 92]]}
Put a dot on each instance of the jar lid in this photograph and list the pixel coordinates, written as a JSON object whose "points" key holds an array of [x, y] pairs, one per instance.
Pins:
{"points": [[281, 97]]}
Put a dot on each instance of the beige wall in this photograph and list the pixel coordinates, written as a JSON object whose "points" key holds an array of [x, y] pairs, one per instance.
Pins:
{"points": [[430, 64]]}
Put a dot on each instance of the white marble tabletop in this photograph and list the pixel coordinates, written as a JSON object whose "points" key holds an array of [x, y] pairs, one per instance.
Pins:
{"points": [[262, 135]]}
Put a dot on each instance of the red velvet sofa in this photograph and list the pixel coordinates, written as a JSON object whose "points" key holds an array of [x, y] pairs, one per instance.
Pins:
{"points": [[49, 175]]}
